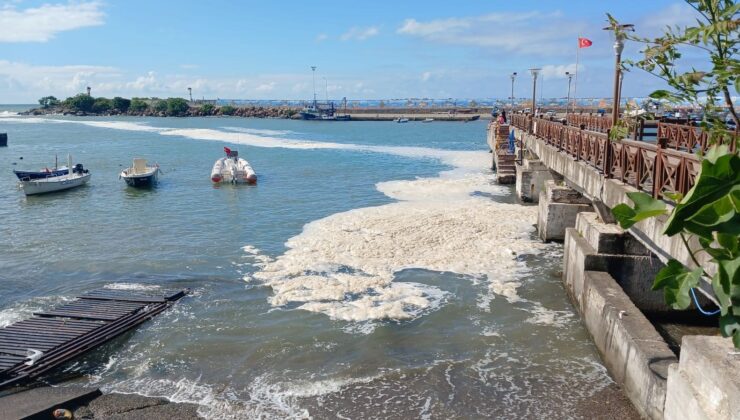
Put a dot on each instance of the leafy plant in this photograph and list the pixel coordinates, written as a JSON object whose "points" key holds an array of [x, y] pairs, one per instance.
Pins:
{"points": [[227, 110], [121, 104], [80, 102], [177, 106], [138, 105], [48, 101], [709, 214]]}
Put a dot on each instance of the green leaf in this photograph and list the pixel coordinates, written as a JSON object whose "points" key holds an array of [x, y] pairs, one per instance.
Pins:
{"points": [[676, 282], [645, 207], [729, 326], [624, 215], [675, 196], [715, 181], [714, 213]]}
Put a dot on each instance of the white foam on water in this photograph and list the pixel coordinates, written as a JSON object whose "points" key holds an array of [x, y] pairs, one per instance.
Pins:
{"points": [[260, 131], [25, 309], [344, 265], [132, 286], [5, 114]]}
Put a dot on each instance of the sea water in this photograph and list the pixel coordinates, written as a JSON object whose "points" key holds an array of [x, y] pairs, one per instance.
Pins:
{"points": [[375, 271]]}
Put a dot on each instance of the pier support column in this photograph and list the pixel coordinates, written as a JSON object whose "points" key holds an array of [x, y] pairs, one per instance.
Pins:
{"points": [[531, 176], [558, 207]]}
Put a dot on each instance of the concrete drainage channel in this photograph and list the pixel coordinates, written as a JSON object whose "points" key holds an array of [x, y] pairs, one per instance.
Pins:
{"points": [[607, 273]]}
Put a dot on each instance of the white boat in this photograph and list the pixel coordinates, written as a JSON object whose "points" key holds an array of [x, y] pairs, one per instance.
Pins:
{"points": [[76, 177], [140, 174], [401, 120], [233, 169], [428, 120]]}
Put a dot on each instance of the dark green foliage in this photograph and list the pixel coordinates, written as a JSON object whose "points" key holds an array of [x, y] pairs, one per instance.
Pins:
{"points": [[207, 109], [80, 102], [121, 104], [228, 110], [49, 101], [176, 107], [138, 105], [159, 105], [102, 105]]}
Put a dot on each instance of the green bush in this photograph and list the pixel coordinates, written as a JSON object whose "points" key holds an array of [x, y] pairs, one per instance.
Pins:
{"points": [[159, 105], [228, 110], [138, 105], [177, 106], [48, 101], [80, 102], [102, 105], [121, 104], [207, 109]]}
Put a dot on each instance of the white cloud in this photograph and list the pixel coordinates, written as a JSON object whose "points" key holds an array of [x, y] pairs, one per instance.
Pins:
{"points": [[266, 87], [321, 37], [146, 83], [678, 14], [527, 32], [426, 76], [552, 71], [42, 23], [359, 33]]}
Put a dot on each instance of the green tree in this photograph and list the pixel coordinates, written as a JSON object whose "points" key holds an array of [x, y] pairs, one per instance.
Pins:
{"points": [[102, 105], [709, 214], [228, 110], [121, 104], [207, 109], [177, 107], [80, 102], [138, 105], [159, 105], [48, 102]]}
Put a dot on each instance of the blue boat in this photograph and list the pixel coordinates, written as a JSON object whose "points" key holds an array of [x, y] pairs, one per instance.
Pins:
{"points": [[42, 174]]}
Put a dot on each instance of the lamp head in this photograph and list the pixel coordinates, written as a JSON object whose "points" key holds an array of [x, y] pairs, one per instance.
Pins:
{"points": [[535, 72]]}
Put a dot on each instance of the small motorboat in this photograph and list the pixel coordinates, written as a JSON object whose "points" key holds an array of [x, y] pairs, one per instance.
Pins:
{"points": [[140, 174], [401, 120], [76, 177], [233, 169], [42, 173], [428, 120]]}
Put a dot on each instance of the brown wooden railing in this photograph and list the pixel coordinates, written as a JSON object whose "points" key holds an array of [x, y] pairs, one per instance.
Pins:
{"points": [[690, 138], [652, 168], [597, 123]]}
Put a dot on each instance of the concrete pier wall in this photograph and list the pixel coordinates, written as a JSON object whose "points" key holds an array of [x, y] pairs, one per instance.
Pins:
{"points": [[558, 208]]}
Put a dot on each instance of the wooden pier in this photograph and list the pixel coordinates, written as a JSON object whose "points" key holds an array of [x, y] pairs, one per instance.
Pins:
{"points": [[34, 346], [503, 157]]}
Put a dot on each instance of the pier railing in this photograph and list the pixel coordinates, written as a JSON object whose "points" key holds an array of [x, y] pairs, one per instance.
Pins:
{"points": [[654, 168]]}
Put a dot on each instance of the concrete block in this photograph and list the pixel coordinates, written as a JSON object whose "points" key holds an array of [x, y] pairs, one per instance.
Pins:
{"points": [[711, 368], [631, 348], [634, 273], [531, 176], [682, 400], [558, 208], [607, 238]]}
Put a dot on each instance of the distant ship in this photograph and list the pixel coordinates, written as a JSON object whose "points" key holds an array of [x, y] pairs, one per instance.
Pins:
{"points": [[323, 112]]}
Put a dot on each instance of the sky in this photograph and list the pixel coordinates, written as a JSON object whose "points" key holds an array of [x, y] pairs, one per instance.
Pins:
{"points": [[362, 50]]}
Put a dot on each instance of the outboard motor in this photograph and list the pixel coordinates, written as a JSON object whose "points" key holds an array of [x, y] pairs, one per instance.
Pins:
{"points": [[78, 169]]}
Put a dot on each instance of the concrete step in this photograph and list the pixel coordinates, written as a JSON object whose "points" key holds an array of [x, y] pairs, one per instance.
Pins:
{"points": [[682, 400], [39, 403]]}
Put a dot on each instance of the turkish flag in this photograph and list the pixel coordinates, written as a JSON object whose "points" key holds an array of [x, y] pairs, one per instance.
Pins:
{"points": [[584, 42], [227, 150]]}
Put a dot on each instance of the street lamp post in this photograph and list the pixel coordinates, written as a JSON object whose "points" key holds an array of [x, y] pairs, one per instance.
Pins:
{"points": [[618, 32], [513, 77], [313, 73], [534, 72], [567, 102]]}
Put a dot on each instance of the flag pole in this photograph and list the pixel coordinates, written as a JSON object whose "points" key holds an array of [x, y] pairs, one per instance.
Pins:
{"points": [[575, 88]]}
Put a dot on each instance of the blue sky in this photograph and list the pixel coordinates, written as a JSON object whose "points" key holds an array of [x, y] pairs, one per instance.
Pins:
{"points": [[365, 50]]}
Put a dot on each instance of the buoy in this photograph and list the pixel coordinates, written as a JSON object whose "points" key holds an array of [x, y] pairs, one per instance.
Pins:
{"points": [[216, 178]]}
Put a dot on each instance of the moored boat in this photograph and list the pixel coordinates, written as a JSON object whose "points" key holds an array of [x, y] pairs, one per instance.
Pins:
{"points": [[428, 120], [233, 169], [140, 174], [76, 177], [42, 173]]}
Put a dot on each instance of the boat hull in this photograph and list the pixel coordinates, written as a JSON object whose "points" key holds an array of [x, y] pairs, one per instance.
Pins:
{"points": [[54, 184], [141, 181], [233, 171], [31, 175]]}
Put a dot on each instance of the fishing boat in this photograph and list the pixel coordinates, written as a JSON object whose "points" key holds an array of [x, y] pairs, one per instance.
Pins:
{"points": [[42, 173], [140, 174], [233, 169], [428, 120], [76, 177], [401, 120]]}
